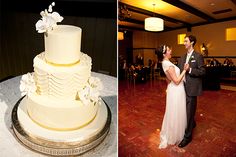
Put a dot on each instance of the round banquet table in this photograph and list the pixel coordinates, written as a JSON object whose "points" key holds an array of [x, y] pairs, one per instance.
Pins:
{"points": [[10, 94]]}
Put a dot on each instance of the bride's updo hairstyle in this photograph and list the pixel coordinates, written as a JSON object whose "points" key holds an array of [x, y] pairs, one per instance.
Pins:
{"points": [[161, 50]]}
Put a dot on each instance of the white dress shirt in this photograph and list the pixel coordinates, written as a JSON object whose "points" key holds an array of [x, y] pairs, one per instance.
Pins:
{"points": [[189, 54]]}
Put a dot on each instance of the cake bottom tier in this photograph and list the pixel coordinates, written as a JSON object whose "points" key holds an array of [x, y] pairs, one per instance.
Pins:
{"points": [[59, 143], [59, 115]]}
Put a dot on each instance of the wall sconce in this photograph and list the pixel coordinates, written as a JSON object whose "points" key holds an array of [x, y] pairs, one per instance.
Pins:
{"points": [[231, 34], [180, 38], [120, 36], [204, 49]]}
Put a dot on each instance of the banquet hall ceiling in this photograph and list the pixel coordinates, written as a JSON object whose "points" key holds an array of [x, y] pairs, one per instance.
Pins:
{"points": [[175, 13]]}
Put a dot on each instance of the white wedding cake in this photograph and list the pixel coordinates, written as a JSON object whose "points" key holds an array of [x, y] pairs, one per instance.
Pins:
{"points": [[60, 93], [60, 112]]}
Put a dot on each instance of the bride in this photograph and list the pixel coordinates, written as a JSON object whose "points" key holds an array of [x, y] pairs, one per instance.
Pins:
{"points": [[175, 119]]}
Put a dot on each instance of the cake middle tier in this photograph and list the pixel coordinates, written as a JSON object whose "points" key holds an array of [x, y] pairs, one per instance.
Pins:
{"points": [[61, 82]]}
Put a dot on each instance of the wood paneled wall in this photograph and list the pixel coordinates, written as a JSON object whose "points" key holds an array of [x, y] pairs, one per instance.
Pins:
{"points": [[213, 35], [20, 42]]}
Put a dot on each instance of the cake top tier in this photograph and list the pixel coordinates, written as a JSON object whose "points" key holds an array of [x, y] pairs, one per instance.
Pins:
{"points": [[62, 45]]}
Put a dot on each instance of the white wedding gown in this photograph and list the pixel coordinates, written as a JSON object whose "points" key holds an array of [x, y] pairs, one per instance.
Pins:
{"points": [[175, 118]]}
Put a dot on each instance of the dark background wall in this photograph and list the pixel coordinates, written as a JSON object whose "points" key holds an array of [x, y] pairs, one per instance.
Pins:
{"points": [[20, 42], [125, 47]]}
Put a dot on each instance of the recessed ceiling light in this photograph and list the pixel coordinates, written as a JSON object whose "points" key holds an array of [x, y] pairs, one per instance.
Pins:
{"points": [[212, 4]]}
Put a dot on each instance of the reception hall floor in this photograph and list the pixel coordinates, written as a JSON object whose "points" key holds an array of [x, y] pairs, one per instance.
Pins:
{"points": [[141, 110]]}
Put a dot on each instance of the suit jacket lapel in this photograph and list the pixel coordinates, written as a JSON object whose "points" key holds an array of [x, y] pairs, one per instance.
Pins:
{"points": [[183, 62], [185, 56]]}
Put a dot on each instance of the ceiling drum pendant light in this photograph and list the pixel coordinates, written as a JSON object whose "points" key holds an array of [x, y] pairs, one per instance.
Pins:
{"points": [[154, 23]]}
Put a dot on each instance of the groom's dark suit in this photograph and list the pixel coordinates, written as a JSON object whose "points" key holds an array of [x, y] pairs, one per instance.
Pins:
{"points": [[193, 88]]}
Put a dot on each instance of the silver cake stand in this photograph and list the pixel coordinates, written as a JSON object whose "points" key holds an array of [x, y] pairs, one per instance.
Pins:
{"points": [[58, 148]]}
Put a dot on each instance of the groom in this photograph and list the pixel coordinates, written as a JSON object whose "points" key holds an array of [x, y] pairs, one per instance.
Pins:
{"points": [[192, 84]]}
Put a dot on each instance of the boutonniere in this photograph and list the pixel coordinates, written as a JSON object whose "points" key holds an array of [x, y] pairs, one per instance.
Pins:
{"points": [[191, 58]]}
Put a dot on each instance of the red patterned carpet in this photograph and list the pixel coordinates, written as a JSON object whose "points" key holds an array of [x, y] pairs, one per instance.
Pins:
{"points": [[141, 110]]}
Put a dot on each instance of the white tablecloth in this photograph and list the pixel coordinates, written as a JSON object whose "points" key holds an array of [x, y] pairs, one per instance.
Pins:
{"points": [[10, 94]]}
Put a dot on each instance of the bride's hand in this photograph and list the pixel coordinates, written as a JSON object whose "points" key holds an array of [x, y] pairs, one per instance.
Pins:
{"points": [[186, 67]]}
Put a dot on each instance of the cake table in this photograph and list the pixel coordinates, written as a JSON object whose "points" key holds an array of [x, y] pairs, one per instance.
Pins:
{"points": [[10, 97]]}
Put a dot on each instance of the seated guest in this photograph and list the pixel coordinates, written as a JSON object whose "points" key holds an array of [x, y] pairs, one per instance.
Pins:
{"points": [[139, 70], [150, 63], [226, 61], [208, 62], [231, 63], [215, 62], [139, 59], [131, 72]]}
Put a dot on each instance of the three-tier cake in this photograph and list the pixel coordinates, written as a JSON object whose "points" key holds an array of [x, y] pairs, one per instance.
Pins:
{"points": [[62, 112]]}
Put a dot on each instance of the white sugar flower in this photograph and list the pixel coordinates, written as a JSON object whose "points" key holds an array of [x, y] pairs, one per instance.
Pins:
{"points": [[90, 93], [96, 83], [41, 26], [56, 16], [27, 84], [84, 95], [42, 13], [46, 24], [50, 8], [49, 20], [94, 95]]}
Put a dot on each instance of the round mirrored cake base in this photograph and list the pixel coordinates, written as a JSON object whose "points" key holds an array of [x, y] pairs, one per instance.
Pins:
{"points": [[59, 143]]}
